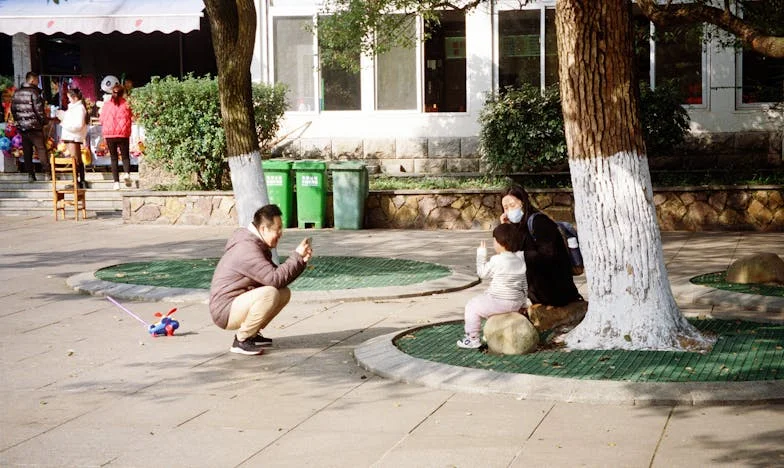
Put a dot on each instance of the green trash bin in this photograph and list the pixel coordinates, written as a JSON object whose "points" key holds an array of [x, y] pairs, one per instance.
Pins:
{"points": [[349, 191], [280, 187], [311, 193]]}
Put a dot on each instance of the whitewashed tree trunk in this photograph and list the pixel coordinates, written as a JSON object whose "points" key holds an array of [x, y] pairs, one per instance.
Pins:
{"points": [[631, 305], [250, 189]]}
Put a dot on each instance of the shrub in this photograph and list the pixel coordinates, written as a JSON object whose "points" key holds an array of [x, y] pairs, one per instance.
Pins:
{"points": [[183, 129], [269, 104], [662, 117], [183, 132], [522, 129]]}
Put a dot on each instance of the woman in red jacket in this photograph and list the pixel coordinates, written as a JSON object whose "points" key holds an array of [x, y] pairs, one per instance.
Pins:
{"points": [[116, 125]]}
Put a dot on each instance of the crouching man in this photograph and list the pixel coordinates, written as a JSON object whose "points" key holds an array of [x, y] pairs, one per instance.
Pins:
{"points": [[248, 287]]}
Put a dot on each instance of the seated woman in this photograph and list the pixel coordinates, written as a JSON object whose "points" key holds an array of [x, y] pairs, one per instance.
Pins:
{"points": [[549, 270]]}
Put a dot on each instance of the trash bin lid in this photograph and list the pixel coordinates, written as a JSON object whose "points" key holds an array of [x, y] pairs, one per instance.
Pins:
{"points": [[276, 164], [310, 165], [347, 166]]}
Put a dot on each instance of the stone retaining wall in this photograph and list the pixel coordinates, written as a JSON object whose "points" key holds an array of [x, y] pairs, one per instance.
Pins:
{"points": [[446, 155], [759, 208]]}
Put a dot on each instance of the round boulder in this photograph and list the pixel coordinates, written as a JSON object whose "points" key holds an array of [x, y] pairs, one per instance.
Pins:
{"points": [[762, 268], [510, 333]]}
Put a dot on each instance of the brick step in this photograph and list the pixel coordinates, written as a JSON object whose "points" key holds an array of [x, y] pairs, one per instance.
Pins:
{"points": [[35, 204], [45, 193], [46, 185], [97, 176]]}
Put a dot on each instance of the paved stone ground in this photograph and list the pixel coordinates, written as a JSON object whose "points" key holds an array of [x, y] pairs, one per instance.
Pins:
{"points": [[82, 383]]}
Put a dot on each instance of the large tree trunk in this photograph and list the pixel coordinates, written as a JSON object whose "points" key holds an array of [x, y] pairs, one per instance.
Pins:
{"points": [[631, 305], [233, 24]]}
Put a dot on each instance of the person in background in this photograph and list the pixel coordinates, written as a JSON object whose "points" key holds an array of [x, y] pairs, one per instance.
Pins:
{"points": [[128, 85], [29, 112], [116, 124], [73, 132], [549, 271]]}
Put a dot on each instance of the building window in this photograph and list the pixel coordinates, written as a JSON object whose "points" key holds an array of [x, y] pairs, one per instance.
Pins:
{"points": [[396, 73], [641, 29], [679, 60], [518, 42], [445, 64], [762, 78], [550, 49], [293, 60], [340, 87]]}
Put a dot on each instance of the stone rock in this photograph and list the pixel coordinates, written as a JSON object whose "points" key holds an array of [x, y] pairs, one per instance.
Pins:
{"points": [[510, 333], [758, 268], [545, 317], [148, 213]]}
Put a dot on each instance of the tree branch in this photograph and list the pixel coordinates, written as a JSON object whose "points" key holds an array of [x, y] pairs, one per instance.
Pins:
{"points": [[688, 13]]}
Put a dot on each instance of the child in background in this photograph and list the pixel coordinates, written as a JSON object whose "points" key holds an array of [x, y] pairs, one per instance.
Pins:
{"points": [[508, 289]]}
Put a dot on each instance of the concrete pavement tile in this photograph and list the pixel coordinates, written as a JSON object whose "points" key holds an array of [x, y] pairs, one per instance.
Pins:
{"points": [[193, 447], [72, 444], [378, 389], [723, 436], [397, 416], [452, 450], [325, 449], [575, 434]]}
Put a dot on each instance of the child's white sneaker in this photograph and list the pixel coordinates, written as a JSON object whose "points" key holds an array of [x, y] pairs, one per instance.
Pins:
{"points": [[469, 343]]}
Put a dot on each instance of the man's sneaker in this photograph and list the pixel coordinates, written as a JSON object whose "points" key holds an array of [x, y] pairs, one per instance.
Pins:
{"points": [[261, 340], [247, 347], [116, 186], [469, 343], [31, 178]]}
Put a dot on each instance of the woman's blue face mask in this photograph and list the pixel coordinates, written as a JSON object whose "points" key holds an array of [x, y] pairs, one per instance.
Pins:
{"points": [[515, 215]]}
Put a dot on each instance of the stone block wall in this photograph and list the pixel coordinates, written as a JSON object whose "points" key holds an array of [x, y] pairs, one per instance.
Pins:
{"points": [[683, 209], [440, 155], [191, 208], [417, 155]]}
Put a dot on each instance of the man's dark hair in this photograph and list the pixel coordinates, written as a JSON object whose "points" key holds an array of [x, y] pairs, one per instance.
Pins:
{"points": [[266, 215], [30, 75], [509, 237]]}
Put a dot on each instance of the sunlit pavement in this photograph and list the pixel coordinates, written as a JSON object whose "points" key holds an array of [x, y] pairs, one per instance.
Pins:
{"points": [[83, 384]]}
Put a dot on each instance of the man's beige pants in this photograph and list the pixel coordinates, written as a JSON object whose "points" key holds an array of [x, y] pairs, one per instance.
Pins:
{"points": [[253, 310]]}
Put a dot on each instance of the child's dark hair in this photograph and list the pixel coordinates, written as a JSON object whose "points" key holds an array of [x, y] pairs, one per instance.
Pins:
{"points": [[509, 237]]}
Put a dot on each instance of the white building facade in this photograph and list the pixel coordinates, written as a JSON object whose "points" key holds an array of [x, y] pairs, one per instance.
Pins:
{"points": [[415, 110]]}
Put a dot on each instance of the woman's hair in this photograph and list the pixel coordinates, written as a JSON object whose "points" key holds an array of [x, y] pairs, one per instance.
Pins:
{"points": [[117, 94], [75, 92], [508, 236]]}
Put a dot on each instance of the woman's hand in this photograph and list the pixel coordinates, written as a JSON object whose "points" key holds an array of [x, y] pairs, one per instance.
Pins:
{"points": [[504, 218]]}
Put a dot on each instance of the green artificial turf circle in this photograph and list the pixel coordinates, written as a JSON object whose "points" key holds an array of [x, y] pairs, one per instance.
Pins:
{"points": [[745, 351], [718, 280], [323, 273]]}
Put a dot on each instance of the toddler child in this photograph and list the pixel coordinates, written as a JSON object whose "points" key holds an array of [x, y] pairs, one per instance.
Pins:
{"points": [[508, 288]]}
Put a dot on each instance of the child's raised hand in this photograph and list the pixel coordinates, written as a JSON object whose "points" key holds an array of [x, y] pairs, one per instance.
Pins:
{"points": [[482, 244]]}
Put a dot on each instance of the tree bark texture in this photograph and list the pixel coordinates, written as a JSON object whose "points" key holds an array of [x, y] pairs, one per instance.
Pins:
{"points": [[631, 305], [233, 24]]}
